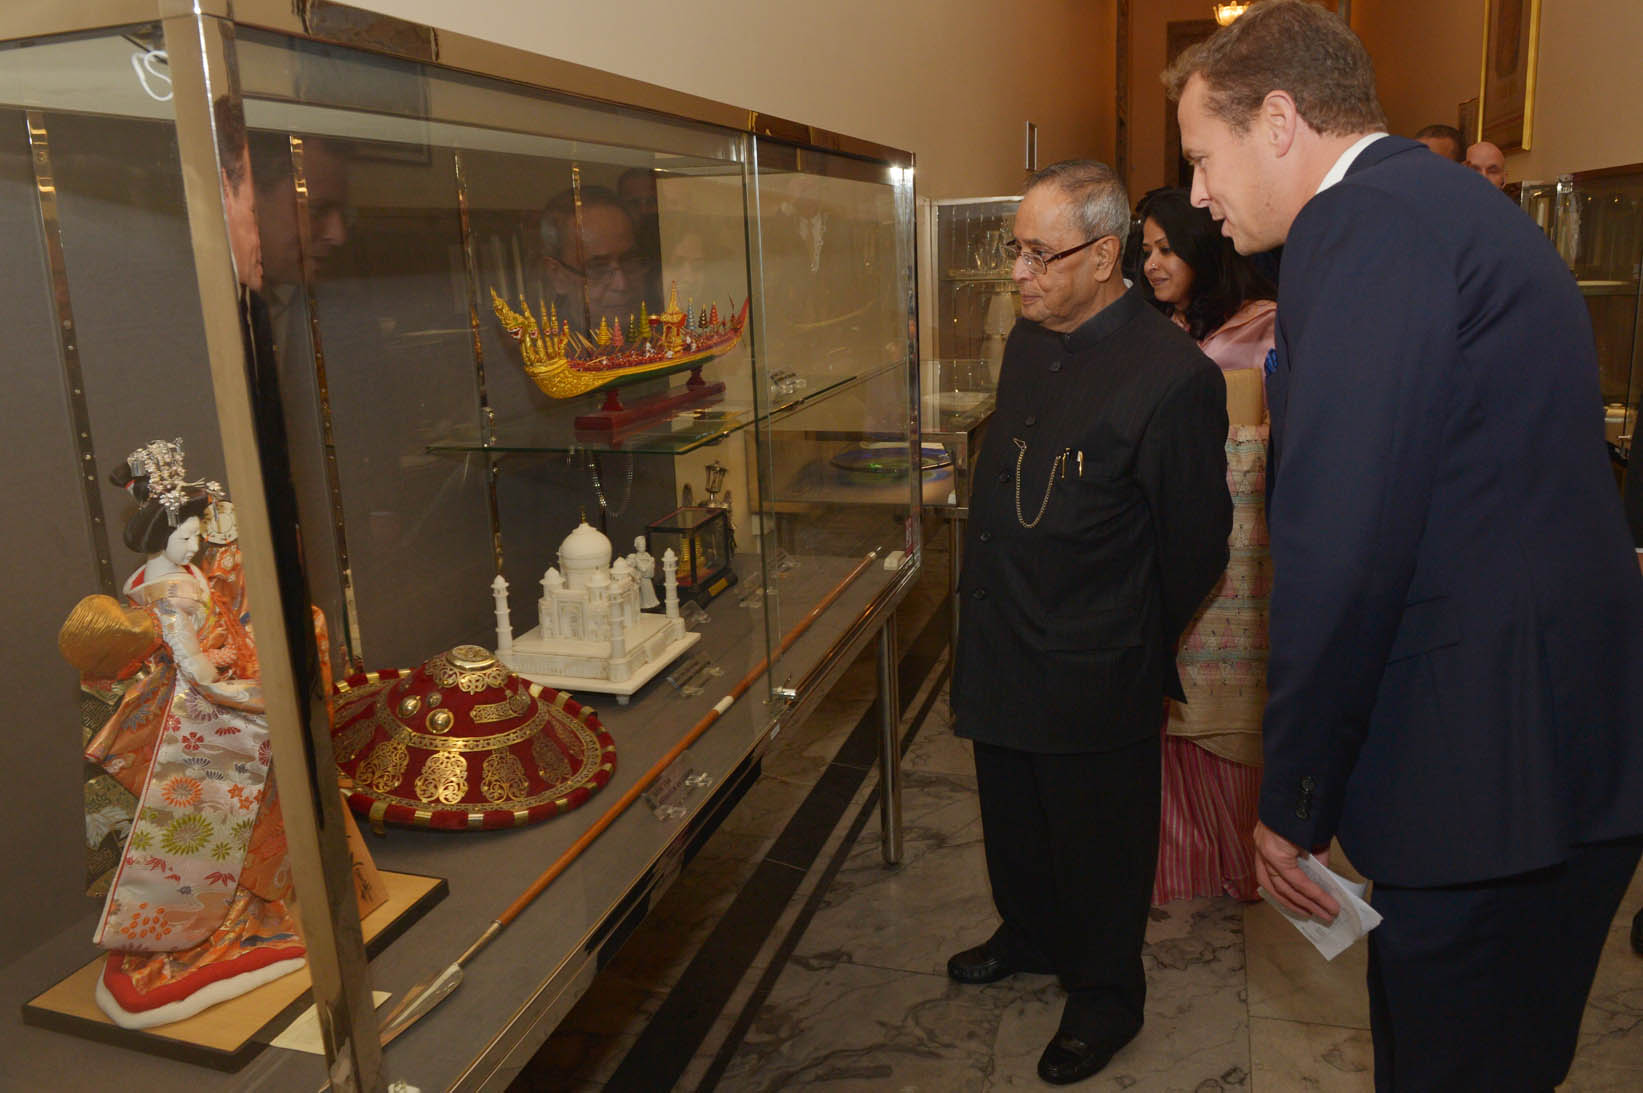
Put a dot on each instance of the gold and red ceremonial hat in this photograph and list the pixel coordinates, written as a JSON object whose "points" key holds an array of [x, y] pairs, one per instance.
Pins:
{"points": [[461, 742]]}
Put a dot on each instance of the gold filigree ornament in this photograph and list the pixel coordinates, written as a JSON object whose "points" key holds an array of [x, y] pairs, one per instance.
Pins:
{"points": [[444, 778], [580, 747], [513, 706], [503, 778], [384, 767], [469, 668], [354, 701], [348, 743], [550, 763]]}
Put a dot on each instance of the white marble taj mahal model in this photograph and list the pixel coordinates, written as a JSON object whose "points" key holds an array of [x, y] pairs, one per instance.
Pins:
{"points": [[591, 634]]}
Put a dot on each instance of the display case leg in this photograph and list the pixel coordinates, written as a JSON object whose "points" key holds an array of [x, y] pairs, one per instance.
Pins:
{"points": [[889, 745]]}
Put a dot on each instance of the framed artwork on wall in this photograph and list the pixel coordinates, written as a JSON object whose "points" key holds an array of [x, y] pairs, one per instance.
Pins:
{"points": [[1511, 42], [1468, 120]]}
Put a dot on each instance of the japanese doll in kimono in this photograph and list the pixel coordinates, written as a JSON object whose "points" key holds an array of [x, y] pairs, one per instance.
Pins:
{"points": [[199, 909]]}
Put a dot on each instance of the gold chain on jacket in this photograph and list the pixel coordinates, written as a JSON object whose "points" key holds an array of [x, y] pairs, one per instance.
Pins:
{"points": [[1056, 465]]}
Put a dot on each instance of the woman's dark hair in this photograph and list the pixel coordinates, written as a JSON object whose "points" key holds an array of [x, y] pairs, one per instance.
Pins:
{"points": [[150, 526], [1222, 279]]}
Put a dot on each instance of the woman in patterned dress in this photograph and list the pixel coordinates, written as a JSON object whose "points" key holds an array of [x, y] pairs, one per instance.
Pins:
{"points": [[1212, 743]]}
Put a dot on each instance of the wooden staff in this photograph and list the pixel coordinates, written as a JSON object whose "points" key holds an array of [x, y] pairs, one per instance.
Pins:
{"points": [[426, 995]]}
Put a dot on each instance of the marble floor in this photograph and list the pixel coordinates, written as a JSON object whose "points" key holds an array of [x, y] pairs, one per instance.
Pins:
{"points": [[842, 984]]}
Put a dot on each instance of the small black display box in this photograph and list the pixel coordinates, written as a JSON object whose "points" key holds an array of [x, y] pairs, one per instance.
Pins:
{"points": [[700, 538]]}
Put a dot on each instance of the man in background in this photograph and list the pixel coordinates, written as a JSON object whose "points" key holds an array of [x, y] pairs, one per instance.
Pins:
{"points": [[239, 193], [1487, 160], [637, 187], [1456, 674], [593, 258], [286, 260], [1445, 140], [292, 266], [1099, 517]]}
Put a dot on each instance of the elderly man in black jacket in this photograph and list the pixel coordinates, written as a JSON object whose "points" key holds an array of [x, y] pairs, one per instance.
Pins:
{"points": [[1098, 523]]}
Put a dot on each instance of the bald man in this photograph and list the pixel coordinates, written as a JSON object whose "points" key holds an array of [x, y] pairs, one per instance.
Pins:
{"points": [[1487, 160]]}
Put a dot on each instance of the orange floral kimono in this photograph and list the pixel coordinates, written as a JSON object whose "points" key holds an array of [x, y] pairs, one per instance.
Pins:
{"points": [[197, 911]]}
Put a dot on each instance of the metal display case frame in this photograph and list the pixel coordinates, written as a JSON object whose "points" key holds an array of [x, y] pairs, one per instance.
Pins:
{"points": [[526, 979], [1595, 219], [969, 294]]}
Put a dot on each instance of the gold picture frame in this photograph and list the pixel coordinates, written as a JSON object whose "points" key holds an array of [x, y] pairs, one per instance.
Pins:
{"points": [[1506, 91], [1467, 120]]}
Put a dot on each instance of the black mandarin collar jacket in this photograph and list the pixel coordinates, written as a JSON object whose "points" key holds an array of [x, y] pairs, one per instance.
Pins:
{"points": [[1117, 432]]}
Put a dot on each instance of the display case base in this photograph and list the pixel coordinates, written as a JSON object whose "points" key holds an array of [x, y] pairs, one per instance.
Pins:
{"points": [[228, 1035], [704, 592]]}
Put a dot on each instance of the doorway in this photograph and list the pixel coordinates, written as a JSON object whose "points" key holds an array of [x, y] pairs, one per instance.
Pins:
{"points": [[1178, 35]]}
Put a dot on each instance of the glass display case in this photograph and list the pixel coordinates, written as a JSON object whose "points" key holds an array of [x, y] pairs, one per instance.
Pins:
{"points": [[970, 297], [1595, 219], [974, 303], [463, 340], [956, 402]]}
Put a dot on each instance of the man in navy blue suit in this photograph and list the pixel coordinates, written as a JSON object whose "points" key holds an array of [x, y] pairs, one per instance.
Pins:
{"points": [[1456, 674], [1633, 496]]}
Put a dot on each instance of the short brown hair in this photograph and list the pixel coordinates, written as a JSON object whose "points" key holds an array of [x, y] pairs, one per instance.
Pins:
{"points": [[1448, 133], [1285, 45]]}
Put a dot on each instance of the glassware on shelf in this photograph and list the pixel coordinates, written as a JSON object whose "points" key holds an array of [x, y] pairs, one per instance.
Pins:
{"points": [[969, 237], [1595, 220]]}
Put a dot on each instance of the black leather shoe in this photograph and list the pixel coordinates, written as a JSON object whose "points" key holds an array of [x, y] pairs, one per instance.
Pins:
{"points": [[1071, 1058], [979, 965], [1637, 933]]}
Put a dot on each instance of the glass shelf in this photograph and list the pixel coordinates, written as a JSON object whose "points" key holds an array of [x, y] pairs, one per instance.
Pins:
{"points": [[1608, 288], [986, 277], [956, 411], [679, 433]]}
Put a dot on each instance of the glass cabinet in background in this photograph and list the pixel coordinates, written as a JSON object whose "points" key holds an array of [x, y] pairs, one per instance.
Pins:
{"points": [[1595, 219], [970, 302], [584, 415]]}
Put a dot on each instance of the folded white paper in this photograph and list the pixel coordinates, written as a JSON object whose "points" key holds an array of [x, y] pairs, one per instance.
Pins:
{"points": [[303, 1033], [1356, 917]]}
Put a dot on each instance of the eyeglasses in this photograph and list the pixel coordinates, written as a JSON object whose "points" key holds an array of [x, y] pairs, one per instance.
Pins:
{"points": [[1037, 263], [630, 265]]}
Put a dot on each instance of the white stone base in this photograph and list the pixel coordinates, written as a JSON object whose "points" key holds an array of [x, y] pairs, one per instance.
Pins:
{"points": [[570, 665]]}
